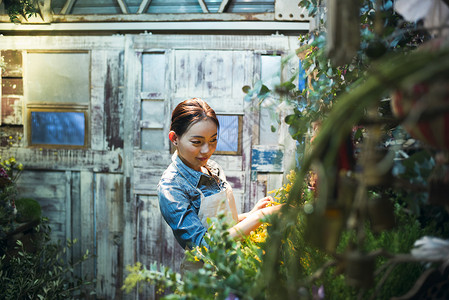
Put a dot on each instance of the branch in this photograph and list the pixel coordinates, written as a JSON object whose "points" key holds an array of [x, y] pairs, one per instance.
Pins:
{"points": [[382, 280], [318, 273]]}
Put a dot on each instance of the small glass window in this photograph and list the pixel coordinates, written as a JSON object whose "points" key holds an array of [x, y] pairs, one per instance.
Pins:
{"points": [[271, 77], [63, 128], [58, 77], [153, 74], [229, 135], [152, 139], [270, 66]]}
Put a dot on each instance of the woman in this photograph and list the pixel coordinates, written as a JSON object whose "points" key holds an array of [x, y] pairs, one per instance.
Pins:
{"points": [[194, 188]]}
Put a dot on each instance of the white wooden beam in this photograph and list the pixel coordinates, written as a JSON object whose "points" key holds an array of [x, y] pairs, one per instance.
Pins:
{"points": [[123, 6], [67, 8], [223, 5], [166, 17], [143, 6], [160, 26], [203, 6], [45, 10]]}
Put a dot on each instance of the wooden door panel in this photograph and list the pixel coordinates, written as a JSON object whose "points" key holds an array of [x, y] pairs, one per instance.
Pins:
{"points": [[109, 234], [49, 188]]}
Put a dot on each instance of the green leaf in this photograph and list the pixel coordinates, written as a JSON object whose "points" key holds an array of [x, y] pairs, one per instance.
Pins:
{"points": [[264, 90]]}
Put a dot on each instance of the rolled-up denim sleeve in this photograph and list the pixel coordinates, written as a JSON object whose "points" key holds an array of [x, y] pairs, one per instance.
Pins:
{"points": [[178, 211]]}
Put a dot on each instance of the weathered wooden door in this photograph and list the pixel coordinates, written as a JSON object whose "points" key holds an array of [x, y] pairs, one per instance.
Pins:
{"points": [[68, 134], [214, 75], [167, 71], [101, 187]]}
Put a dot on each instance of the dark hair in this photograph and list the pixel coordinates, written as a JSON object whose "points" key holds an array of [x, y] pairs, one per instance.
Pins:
{"points": [[189, 112]]}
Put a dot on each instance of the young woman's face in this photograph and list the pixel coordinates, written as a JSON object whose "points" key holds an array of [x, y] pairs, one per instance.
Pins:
{"points": [[197, 144]]}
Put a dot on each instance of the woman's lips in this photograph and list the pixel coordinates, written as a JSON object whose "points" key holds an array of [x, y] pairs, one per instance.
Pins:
{"points": [[202, 158]]}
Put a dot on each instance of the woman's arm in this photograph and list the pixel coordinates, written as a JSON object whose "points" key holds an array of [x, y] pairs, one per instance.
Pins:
{"points": [[259, 205], [177, 208], [252, 221]]}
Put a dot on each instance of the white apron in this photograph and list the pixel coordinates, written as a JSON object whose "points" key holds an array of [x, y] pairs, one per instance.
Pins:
{"points": [[220, 203], [211, 206]]}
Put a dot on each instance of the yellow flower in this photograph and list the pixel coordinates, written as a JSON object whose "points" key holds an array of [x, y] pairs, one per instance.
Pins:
{"points": [[260, 234], [272, 202], [291, 176]]}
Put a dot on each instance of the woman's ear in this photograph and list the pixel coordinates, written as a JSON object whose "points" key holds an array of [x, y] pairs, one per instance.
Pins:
{"points": [[173, 137]]}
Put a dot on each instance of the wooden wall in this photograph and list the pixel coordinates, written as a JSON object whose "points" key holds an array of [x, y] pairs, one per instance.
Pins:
{"points": [[104, 195]]}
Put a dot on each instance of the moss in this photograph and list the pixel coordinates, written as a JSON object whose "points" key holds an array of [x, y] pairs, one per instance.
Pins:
{"points": [[28, 210]]}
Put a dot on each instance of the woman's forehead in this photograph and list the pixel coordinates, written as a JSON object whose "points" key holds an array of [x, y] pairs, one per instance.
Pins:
{"points": [[204, 128]]}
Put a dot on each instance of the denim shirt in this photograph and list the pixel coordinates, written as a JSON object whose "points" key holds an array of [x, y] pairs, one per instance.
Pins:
{"points": [[180, 200]]}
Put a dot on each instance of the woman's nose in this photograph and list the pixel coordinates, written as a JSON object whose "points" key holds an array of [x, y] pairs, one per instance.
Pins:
{"points": [[205, 148]]}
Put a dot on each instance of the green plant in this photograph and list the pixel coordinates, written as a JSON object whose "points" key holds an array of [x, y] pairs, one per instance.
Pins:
{"points": [[342, 98], [228, 266], [28, 210], [43, 273], [10, 171], [25, 8]]}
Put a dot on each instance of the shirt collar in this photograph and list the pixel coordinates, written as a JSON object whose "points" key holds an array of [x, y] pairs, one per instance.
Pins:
{"points": [[190, 174]]}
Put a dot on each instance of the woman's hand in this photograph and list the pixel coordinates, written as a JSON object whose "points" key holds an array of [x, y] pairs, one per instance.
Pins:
{"points": [[262, 203], [253, 220], [269, 210]]}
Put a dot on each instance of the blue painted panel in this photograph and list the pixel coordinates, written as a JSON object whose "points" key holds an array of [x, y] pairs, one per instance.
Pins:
{"points": [[301, 77], [57, 128], [267, 159]]}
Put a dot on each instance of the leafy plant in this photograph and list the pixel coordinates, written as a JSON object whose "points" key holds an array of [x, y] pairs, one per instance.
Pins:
{"points": [[25, 8], [31, 266], [10, 171], [348, 100], [230, 270], [43, 273]]}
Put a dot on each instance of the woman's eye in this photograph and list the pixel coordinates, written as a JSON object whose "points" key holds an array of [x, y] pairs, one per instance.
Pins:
{"points": [[213, 141], [196, 142]]}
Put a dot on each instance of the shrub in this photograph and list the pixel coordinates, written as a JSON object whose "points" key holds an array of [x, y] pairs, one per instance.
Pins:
{"points": [[40, 273]]}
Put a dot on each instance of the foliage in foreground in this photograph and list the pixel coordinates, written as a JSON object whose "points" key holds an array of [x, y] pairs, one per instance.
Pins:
{"points": [[227, 267], [292, 265], [234, 269], [42, 271]]}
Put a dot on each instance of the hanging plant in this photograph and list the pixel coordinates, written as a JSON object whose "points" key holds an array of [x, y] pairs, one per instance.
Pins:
{"points": [[24, 8]]}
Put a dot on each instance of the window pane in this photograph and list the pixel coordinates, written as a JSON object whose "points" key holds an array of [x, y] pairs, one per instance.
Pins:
{"points": [[153, 113], [152, 139], [153, 73], [58, 128], [271, 70], [58, 77], [228, 135], [270, 75]]}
